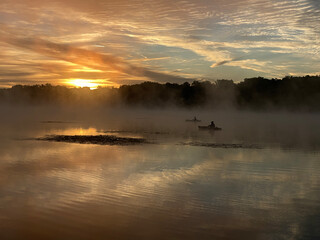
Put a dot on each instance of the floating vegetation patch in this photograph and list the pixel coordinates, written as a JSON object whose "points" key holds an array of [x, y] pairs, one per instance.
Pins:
{"points": [[94, 139], [224, 145]]}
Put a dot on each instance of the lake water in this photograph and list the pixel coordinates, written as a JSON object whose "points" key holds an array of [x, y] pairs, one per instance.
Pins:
{"points": [[258, 178]]}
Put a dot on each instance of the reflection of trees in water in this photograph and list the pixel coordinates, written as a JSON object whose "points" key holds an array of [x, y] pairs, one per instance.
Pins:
{"points": [[290, 93]]}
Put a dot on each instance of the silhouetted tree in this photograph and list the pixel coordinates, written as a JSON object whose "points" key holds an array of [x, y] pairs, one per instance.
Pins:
{"points": [[259, 93]]}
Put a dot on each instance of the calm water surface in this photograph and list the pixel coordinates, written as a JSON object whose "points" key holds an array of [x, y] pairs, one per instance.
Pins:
{"points": [[266, 188]]}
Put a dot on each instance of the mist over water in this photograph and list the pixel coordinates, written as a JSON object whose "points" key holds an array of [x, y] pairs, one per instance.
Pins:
{"points": [[258, 178]]}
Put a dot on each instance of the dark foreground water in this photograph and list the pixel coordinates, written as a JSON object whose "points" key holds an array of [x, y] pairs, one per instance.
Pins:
{"points": [[259, 178]]}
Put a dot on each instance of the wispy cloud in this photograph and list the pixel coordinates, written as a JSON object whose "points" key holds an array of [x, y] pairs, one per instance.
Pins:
{"points": [[88, 58], [193, 36], [225, 62]]}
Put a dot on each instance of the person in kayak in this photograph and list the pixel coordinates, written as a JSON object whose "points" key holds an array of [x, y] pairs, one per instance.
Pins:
{"points": [[212, 125]]}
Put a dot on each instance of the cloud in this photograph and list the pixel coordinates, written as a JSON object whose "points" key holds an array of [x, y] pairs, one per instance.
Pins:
{"points": [[225, 62], [193, 35], [88, 58]]}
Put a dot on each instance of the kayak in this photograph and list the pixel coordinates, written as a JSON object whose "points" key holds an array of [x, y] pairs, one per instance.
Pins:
{"points": [[209, 128], [192, 120]]}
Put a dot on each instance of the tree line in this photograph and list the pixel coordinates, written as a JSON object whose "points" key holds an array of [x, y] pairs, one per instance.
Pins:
{"points": [[291, 93]]}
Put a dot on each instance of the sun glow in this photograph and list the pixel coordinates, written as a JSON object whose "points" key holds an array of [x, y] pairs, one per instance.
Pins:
{"points": [[84, 83]]}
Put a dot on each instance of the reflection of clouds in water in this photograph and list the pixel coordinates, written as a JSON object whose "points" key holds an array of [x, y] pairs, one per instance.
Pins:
{"points": [[197, 189], [128, 183], [153, 181], [249, 169]]}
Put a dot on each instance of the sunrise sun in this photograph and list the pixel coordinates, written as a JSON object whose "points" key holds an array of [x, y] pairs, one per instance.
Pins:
{"points": [[83, 83]]}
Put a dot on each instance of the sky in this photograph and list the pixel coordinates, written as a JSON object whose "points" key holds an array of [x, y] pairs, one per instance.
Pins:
{"points": [[115, 42]]}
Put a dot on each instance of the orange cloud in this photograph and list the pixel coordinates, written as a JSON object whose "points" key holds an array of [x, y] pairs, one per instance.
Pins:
{"points": [[87, 58]]}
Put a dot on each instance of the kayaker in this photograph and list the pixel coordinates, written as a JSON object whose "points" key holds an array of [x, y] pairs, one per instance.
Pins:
{"points": [[212, 124]]}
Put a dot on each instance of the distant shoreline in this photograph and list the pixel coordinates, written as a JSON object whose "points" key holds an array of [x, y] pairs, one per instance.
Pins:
{"points": [[289, 93]]}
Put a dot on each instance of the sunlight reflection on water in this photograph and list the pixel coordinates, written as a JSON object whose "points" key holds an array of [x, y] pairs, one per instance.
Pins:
{"points": [[56, 190]]}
